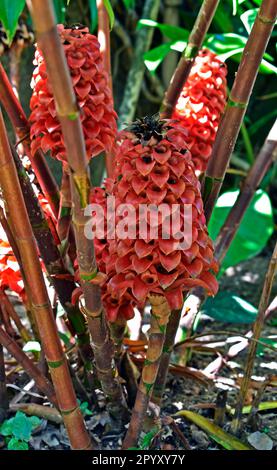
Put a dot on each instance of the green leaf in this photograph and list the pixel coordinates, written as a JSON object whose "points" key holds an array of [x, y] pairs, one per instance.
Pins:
{"points": [[84, 408], [226, 440], [248, 18], [10, 11], [93, 14], [109, 9], [154, 57], [32, 346], [172, 32], [235, 7], [222, 43], [229, 308], [65, 338], [22, 427], [16, 444], [35, 421], [129, 4], [262, 347], [148, 438], [254, 231], [6, 428], [60, 10]]}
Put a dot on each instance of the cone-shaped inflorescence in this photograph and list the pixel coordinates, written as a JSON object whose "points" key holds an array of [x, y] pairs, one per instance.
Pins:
{"points": [[154, 167], [90, 83], [201, 105]]}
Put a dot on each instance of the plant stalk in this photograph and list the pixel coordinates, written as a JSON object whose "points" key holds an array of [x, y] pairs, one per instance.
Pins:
{"points": [[105, 49], [29, 367], [6, 303], [185, 64], [170, 336], [257, 328], [68, 113], [237, 103], [266, 156], [56, 360], [159, 319], [59, 277]]}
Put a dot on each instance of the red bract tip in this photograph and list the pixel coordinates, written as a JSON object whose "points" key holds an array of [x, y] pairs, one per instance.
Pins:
{"points": [[93, 96]]}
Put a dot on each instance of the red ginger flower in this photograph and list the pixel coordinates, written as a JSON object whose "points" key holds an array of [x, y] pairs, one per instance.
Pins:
{"points": [[93, 95], [152, 167], [201, 105]]}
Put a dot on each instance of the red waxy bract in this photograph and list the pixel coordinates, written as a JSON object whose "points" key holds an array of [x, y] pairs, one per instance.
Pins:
{"points": [[201, 105], [92, 93]]}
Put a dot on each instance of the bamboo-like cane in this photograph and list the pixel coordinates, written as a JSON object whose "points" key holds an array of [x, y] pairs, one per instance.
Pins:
{"points": [[14, 247], [171, 332], [105, 48], [6, 303], [185, 64], [118, 329], [68, 113], [64, 218], [29, 367], [159, 318], [237, 103], [22, 130], [258, 325], [56, 360], [52, 259], [266, 156]]}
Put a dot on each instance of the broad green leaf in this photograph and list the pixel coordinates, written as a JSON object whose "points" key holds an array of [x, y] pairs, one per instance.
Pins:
{"points": [[235, 7], [226, 440], [60, 10], [148, 438], [35, 421], [22, 427], [109, 9], [254, 231], [154, 57], [6, 427], [272, 342], [229, 308], [263, 406], [10, 11], [93, 15], [222, 43], [248, 18], [129, 4], [32, 346], [16, 444], [172, 32], [65, 338], [84, 408]]}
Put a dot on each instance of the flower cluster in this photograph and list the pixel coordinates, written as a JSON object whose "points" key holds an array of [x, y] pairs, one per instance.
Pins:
{"points": [[201, 105], [153, 167], [93, 95]]}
